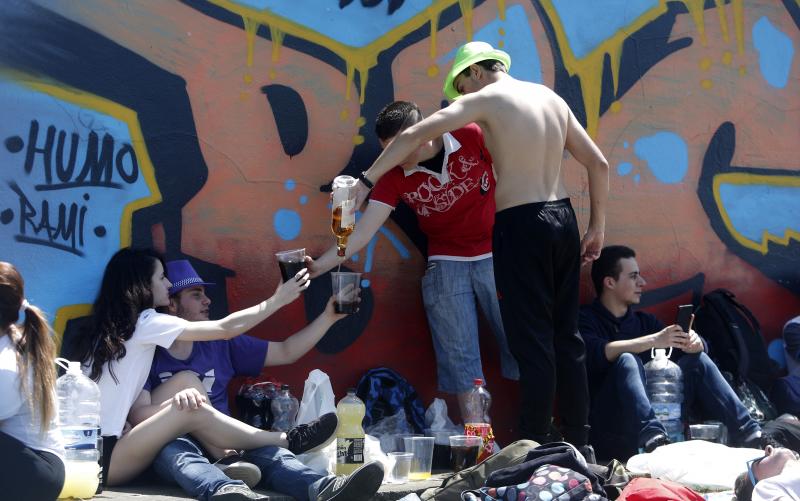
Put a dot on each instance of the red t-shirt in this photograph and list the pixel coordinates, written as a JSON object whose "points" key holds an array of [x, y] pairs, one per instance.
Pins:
{"points": [[455, 209]]}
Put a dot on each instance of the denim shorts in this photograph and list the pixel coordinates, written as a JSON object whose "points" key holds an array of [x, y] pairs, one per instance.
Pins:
{"points": [[451, 291]]}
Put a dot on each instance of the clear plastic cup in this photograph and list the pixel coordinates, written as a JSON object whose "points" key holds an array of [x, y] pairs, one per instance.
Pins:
{"points": [[345, 291], [464, 450], [291, 262], [401, 468], [422, 449]]}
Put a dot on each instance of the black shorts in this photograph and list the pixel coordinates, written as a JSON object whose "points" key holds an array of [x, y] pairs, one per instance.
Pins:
{"points": [[109, 442]]}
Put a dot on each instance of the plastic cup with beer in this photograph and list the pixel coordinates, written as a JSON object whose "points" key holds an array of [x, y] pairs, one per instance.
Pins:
{"points": [[464, 451], [422, 450], [345, 291], [401, 467], [291, 262]]}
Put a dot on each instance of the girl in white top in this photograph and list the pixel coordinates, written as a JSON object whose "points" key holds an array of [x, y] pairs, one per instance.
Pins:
{"points": [[31, 453], [118, 352]]}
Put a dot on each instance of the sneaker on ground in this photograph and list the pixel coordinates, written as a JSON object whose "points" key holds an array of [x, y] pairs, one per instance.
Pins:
{"points": [[314, 435], [360, 485], [236, 468], [655, 442], [235, 492]]}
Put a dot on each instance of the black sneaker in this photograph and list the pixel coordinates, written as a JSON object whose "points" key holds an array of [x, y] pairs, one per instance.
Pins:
{"points": [[588, 453], [236, 468], [235, 492], [656, 441], [360, 485], [314, 435]]}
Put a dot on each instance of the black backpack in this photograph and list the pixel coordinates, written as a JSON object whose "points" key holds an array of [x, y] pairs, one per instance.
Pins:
{"points": [[735, 344], [384, 392]]}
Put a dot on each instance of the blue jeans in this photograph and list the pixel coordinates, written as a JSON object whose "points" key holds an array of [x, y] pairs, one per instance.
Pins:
{"points": [[450, 291], [182, 462], [622, 418]]}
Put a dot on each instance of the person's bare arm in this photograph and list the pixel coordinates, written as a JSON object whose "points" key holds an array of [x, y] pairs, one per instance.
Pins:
{"points": [[671, 336], [369, 224], [459, 113], [239, 322], [585, 151], [298, 344]]}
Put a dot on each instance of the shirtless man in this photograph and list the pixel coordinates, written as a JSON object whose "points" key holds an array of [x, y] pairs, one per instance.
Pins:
{"points": [[536, 242]]}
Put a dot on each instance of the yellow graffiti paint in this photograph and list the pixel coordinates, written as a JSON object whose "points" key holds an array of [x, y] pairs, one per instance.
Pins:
{"points": [[358, 139], [616, 107], [707, 83], [129, 117], [738, 23], [589, 69], [344, 115], [433, 70], [727, 58], [501, 9], [276, 35], [723, 20], [696, 11], [705, 63], [250, 30], [357, 59], [744, 178], [360, 121]]}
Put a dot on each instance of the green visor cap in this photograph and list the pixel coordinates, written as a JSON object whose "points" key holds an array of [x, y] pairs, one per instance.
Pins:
{"points": [[469, 54]]}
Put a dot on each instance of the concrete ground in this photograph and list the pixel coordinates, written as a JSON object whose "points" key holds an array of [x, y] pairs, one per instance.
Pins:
{"points": [[388, 492]]}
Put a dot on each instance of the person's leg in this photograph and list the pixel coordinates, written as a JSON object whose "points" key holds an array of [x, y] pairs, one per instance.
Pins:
{"points": [[703, 384], [571, 383], [28, 474], [453, 320], [524, 280], [182, 461], [482, 273], [282, 472]]}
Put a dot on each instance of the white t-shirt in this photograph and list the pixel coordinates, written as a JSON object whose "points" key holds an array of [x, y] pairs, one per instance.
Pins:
{"points": [[16, 418], [785, 486], [116, 397]]}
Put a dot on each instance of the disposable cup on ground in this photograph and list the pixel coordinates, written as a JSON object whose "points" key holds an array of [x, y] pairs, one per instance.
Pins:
{"points": [[422, 449], [401, 468], [291, 262], [464, 450], [345, 291], [401, 441]]}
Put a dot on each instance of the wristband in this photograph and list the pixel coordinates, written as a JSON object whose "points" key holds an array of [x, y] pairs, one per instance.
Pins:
{"points": [[363, 178]]}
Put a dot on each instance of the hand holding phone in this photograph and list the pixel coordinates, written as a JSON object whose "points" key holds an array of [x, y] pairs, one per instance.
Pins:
{"points": [[684, 317]]}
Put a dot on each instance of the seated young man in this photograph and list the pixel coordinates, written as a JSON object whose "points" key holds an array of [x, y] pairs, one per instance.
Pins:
{"points": [[215, 363], [618, 342]]}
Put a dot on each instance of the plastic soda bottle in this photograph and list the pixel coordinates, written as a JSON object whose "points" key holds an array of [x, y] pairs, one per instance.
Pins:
{"points": [[350, 434], [79, 422], [284, 410], [478, 402], [665, 390]]}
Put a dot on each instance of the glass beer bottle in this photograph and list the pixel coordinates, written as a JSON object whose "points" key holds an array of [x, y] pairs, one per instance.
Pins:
{"points": [[343, 217]]}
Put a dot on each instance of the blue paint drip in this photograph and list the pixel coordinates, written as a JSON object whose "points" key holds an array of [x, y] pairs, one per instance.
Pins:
{"points": [[624, 168], [370, 254], [626, 145], [396, 243], [354, 258], [303, 200], [755, 209], [289, 185], [637, 178], [775, 53], [287, 223], [777, 353], [666, 155], [365, 283]]}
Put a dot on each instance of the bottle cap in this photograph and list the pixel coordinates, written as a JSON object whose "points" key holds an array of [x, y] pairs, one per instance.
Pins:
{"points": [[478, 382], [284, 387], [351, 390]]}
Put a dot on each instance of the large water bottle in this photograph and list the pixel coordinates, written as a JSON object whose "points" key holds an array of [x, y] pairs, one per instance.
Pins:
{"points": [[478, 402], [284, 410], [665, 390], [79, 422]]}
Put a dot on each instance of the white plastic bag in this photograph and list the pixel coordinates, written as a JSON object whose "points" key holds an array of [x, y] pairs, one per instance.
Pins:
{"points": [[697, 464], [318, 398], [436, 418]]}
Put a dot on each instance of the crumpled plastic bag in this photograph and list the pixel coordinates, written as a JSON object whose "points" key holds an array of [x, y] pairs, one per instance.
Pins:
{"points": [[436, 418], [388, 428], [702, 466], [318, 398]]}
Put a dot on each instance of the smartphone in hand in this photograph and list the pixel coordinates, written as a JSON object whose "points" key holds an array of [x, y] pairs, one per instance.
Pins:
{"points": [[684, 317]]}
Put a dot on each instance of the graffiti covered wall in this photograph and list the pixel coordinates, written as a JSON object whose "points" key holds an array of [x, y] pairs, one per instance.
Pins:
{"points": [[211, 129]]}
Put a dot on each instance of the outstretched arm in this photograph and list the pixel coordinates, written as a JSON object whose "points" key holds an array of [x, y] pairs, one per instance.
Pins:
{"points": [[243, 320], [581, 146], [369, 224], [298, 344]]}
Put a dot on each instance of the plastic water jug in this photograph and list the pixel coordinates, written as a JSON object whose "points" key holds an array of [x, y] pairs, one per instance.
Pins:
{"points": [[665, 390], [478, 403], [350, 434], [79, 422], [284, 410]]}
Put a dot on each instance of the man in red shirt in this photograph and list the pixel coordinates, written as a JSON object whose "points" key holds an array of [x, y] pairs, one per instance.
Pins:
{"points": [[449, 184]]}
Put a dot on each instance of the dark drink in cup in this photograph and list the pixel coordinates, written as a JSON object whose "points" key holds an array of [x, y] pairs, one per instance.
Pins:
{"points": [[345, 307], [345, 291], [463, 456], [290, 269]]}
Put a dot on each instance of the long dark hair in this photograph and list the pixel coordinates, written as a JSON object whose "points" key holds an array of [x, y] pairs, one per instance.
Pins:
{"points": [[124, 293], [35, 347]]}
